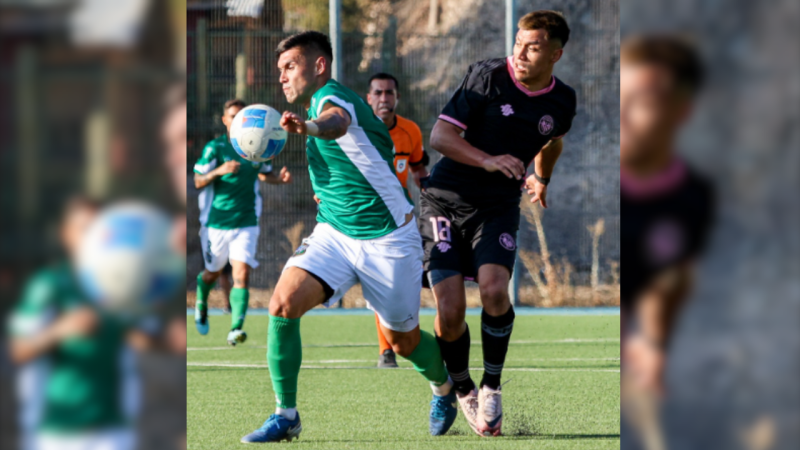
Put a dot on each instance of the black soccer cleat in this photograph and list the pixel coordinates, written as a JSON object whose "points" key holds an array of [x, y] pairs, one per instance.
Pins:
{"points": [[387, 360]]}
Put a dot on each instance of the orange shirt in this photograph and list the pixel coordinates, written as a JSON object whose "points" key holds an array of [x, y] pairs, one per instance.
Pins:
{"points": [[407, 139]]}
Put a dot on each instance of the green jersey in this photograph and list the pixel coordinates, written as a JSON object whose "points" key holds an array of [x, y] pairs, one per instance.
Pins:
{"points": [[354, 176], [83, 376], [232, 200]]}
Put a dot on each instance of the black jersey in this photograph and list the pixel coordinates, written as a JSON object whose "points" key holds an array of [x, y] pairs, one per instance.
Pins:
{"points": [[663, 223], [500, 116]]}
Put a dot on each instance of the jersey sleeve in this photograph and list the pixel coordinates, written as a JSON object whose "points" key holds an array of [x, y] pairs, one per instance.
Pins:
{"points": [[469, 100], [331, 94], [36, 308], [417, 152], [208, 160]]}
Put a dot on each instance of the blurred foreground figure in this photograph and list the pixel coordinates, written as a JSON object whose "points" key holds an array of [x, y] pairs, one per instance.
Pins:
{"points": [[666, 212], [78, 387]]}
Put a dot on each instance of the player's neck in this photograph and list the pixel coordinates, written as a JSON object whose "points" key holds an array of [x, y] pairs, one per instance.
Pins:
{"points": [[538, 83], [644, 168], [390, 122]]}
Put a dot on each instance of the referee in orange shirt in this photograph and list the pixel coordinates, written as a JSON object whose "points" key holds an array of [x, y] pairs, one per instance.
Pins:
{"points": [[409, 156]]}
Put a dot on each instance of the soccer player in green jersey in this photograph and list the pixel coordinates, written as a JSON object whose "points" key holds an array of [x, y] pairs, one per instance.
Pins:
{"points": [[230, 205], [365, 233]]}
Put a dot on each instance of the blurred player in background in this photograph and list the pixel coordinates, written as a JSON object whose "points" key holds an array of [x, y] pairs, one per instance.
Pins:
{"points": [[78, 383], [230, 205], [365, 233], [409, 156], [666, 213], [513, 112]]}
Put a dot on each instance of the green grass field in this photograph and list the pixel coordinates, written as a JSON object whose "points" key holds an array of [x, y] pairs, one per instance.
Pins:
{"points": [[562, 391]]}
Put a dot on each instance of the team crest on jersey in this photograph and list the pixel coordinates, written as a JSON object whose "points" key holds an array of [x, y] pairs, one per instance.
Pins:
{"points": [[664, 241], [507, 241], [401, 165], [302, 249], [546, 125]]}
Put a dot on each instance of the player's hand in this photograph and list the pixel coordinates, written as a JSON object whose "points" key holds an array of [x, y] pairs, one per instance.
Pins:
{"points": [[293, 123], [509, 165], [228, 167], [537, 191], [316, 199], [645, 363], [285, 176], [80, 322]]}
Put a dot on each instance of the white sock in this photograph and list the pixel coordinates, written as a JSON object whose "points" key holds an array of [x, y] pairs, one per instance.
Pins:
{"points": [[289, 413], [444, 389]]}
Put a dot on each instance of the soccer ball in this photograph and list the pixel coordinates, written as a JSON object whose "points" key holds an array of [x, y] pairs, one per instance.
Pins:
{"points": [[126, 262], [256, 133]]}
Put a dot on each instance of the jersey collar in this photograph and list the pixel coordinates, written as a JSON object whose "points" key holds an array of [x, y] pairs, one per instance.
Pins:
{"points": [[529, 93], [665, 181]]}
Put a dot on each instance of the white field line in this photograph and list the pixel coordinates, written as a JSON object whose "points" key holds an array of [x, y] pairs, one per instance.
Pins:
{"points": [[510, 369], [375, 344], [340, 361]]}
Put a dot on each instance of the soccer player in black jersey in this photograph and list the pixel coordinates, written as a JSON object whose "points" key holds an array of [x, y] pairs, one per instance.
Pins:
{"points": [[512, 111], [666, 214]]}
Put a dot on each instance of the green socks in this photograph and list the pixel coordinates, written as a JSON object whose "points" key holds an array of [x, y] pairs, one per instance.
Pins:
{"points": [[202, 292], [427, 360], [284, 354], [240, 297]]}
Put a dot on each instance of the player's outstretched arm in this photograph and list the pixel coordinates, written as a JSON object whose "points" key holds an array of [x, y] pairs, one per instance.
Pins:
{"points": [[79, 322], [204, 179], [446, 139], [285, 177], [331, 124]]}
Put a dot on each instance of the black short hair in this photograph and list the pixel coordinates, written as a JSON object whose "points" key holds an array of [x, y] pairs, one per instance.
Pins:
{"points": [[384, 76], [306, 40], [234, 102]]}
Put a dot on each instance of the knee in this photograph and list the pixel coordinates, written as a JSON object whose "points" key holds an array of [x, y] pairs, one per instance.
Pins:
{"points": [[209, 277], [494, 296], [451, 323], [405, 344], [282, 305]]}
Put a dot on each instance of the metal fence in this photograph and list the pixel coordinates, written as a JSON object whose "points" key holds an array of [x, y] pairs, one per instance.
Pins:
{"points": [[229, 59]]}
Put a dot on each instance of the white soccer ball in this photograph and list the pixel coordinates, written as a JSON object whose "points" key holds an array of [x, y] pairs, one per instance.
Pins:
{"points": [[256, 133], [126, 262]]}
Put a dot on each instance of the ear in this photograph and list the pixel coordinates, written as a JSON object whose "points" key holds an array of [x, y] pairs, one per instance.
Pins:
{"points": [[320, 65], [557, 55]]}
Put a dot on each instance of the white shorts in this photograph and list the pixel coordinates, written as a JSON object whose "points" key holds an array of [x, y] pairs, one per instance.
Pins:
{"points": [[219, 246], [114, 439], [389, 269]]}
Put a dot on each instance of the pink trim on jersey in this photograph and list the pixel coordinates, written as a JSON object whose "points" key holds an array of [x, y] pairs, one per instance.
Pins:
{"points": [[510, 65], [453, 121], [662, 182]]}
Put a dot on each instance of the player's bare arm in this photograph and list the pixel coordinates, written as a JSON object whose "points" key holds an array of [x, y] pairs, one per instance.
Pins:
{"points": [[446, 139], [284, 177], [80, 322], [330, 125], [203, 180], [543, 165], [656, 312], [418, 172]]}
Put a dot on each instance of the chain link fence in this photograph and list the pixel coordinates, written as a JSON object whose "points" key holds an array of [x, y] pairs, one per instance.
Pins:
{"points": [[429, 52]]}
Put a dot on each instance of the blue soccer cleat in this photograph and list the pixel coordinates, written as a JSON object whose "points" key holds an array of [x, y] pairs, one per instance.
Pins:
{"points": [[277, 428], [443, 413]]}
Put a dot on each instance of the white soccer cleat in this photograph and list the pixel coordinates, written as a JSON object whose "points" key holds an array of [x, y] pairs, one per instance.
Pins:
{"points": [[490, 411], [469, 406], [236, 337]]}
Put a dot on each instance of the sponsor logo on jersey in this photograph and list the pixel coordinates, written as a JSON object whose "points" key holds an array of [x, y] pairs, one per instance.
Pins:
{"points": [[546, 125], [443, 246], [401, 165], [507, 241], [507, 110]]}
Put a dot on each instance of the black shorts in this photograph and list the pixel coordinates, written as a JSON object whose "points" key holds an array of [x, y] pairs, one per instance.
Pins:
{"points": [[459, 236]]}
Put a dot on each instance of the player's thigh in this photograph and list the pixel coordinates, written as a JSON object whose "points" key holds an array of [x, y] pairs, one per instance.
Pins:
{"points": [[215, 246], [243, 246], [297, 292], [390, 272], [442, 243], [327, 255], [494, 237]]}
